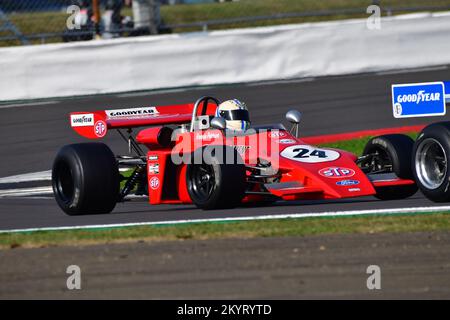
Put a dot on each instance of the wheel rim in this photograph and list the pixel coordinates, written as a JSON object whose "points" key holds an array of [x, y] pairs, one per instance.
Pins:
{"points": [[431, 164], [203, 181], [64, 183], [380, 162]]}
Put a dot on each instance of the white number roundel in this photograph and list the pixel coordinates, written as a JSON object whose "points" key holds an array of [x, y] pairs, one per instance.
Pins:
{"points": [[309, 154]]}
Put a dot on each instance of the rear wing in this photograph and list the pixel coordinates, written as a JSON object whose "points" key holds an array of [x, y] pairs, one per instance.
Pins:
{"points": [[95, 124], [420, 99]]}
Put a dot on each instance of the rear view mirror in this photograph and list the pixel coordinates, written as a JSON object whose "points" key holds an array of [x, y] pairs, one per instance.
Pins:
{"points": [[294, 117], [218, 123]]}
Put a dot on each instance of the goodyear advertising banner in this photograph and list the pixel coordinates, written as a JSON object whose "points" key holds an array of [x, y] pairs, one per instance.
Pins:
{"points": [[418, 99]]}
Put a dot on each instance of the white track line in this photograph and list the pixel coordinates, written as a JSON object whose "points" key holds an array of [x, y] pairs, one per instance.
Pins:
{"points": [[248, 218], [24, 192], [35, 176], [27, 177], [43, 192]]}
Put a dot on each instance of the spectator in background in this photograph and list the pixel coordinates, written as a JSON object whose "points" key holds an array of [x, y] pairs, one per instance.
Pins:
{"points": [[84, 17], [112, 20]]}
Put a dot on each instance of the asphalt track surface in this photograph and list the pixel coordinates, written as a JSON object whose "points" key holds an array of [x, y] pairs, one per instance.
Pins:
{"points": [[32, 134], [412, 266]]}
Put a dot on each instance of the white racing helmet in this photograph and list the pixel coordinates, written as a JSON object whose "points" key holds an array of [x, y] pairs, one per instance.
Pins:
{"points": [[235, 114]]}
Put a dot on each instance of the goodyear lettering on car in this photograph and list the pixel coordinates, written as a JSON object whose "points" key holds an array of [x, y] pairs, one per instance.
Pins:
{"points": [[82, 120], [132, 112]]}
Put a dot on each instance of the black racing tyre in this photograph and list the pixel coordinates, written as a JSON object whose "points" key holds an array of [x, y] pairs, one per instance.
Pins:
{"points": [[214, 183], [85, 179], [393, 154], [430, 161]]}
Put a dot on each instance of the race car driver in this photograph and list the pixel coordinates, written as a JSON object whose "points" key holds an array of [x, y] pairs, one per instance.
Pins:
{"points": [[235, 114]]}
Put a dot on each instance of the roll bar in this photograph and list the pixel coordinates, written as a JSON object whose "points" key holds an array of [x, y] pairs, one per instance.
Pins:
{"points": [[205, 101]]}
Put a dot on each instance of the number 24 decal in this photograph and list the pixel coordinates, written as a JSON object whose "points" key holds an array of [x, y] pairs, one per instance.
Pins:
{"points": [[309, 154], [303, 153]]}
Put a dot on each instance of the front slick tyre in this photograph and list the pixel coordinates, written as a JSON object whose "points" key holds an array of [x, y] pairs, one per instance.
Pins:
{"points": [[393, 154], [85, 179], [215, 182]]}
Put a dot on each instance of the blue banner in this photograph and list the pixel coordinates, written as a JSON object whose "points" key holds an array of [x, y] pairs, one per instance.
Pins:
{"points": [[418, 99], [447, 91]]}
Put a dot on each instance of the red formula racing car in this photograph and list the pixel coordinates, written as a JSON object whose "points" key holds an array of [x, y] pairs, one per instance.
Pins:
{"points": [[186, 154]]}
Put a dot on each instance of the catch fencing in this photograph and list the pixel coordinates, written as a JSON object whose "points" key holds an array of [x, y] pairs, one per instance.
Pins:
{"points": [[24, 22]]}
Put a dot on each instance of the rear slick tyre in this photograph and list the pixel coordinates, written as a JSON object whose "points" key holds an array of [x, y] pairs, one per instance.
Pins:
{"points": [[85, 179]]}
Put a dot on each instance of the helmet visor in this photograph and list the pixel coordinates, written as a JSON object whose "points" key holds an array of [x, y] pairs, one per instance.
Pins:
{"points": [[233, 115]]}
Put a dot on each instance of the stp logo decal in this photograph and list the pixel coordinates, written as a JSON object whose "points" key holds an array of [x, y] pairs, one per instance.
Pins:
{"points": [[345, 183], [154, 183], [100, 128], [337, 172]]}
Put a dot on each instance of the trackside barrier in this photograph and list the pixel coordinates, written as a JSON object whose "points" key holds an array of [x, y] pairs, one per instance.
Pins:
{"points": [[220, 57]]}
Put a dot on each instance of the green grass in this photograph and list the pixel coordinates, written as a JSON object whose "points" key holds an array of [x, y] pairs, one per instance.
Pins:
{"points": [[249, 229], [49, 22], [125, 174], [356, 146], [246, 8]]}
